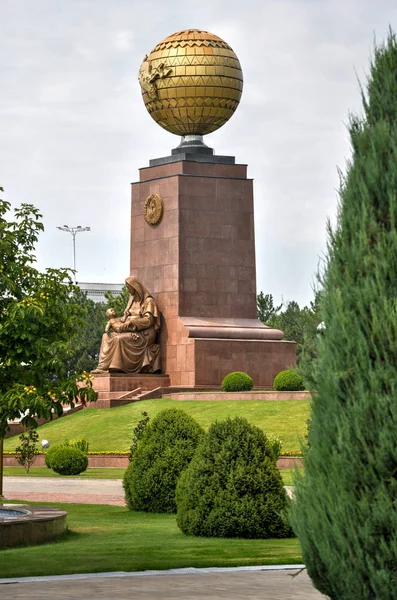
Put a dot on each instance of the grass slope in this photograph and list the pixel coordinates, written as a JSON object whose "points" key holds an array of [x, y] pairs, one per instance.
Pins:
{"points": [[111, 429], [100, 473], [111, 538]]}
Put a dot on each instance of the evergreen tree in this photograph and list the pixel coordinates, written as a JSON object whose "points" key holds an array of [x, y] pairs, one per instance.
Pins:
{"points": [[265, 307], [345, 513]]}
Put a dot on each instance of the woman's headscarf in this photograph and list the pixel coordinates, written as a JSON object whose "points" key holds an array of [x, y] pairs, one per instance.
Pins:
{"points": [[146, 299]]}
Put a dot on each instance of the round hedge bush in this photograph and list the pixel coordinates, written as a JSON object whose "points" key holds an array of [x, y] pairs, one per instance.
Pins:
{"points": [[49, 454], [164, 451], [237, 382], [289, 381], [67, 460], [232, 487]]}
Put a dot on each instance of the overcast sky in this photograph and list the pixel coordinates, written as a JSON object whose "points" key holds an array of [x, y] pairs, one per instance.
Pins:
{"points": [[74, 130]]}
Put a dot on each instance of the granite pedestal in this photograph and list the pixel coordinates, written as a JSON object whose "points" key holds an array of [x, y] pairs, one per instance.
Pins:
{"points": [[199, 264]]}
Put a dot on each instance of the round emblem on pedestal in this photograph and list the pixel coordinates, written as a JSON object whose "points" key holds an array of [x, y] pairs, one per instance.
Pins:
{"points": [[153, 210]]}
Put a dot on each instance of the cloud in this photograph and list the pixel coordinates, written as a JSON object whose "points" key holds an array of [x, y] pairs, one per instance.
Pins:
{"points": [[74, 130]]}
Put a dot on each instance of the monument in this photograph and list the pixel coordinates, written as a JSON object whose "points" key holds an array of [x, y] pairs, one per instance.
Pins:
{"points": [[192, 223]]}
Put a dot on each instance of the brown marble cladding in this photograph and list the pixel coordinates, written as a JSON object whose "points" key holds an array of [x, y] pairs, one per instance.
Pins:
{"points": [[262, 360], [200, 260], [217, 249], [193, 168]]}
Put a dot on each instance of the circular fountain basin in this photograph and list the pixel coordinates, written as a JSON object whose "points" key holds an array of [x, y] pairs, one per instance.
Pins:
{"points": [[9, 513], [22, 525]]}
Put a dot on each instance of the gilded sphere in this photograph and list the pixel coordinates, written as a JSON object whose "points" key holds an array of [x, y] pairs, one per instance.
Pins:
{"points": [[191, 82]]}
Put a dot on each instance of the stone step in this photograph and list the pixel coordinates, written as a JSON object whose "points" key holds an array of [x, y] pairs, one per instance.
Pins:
{"points": [[114, 395]]}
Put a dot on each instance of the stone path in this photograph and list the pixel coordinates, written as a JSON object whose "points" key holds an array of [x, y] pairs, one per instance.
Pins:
{"points": [[54, 489], [229, 585]]}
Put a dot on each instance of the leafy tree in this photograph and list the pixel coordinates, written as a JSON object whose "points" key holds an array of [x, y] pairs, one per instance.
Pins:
{"points": [[85, 344], [27, 450], [293, 321], [118, 302], [345, 513], [38, 316], [265, 307]]}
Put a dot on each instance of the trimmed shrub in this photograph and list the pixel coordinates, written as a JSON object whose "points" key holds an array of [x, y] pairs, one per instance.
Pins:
{"points": [[67, 460], [237, 382], [49, 454], [164, 451], [138, 431], [289, 381], [79, 443], [275, 446], [232, 487]]}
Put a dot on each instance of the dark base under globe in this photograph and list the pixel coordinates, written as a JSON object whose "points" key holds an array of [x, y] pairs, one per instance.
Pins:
{"points": [[192, 148]]}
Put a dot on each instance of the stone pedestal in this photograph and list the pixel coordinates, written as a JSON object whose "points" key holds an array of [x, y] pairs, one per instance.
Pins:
{"points": [[199, 264], [117, 389]]}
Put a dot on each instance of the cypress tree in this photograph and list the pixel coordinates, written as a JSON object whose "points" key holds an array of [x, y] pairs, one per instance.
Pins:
{"points": [[345, 513]]}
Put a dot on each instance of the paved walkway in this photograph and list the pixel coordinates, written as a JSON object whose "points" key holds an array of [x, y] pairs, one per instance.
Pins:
{"points": [[230, 585], [54, 489]]}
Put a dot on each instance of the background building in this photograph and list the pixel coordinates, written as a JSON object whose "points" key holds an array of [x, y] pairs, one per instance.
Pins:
{"points": [[96, 291]]}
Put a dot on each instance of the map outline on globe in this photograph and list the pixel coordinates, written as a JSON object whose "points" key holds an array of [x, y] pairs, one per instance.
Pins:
{"points": [[191, 82]]}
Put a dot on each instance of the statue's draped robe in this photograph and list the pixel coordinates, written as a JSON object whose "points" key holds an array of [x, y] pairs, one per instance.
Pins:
{"points": [[134, 351]]}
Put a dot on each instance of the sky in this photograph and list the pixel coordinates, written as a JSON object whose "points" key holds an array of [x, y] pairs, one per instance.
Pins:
{"points": [[74, 130]]}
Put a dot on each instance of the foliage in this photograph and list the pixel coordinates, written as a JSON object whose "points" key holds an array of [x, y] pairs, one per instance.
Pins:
{"points": [[79, 443], [289, 381], [85, 344], [138, 432], [38, 316], [67, 460], [50, 453], [237, 382], [27, 450], [165, 450], [276, 445], [265, 307], [345, 512], [298, 324], [232, 487], [118, 301]]}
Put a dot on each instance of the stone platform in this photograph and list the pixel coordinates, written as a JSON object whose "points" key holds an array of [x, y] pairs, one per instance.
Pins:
{"points": [[116, 389]]}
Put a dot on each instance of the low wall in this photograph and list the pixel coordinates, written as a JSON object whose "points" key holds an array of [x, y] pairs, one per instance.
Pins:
{"points": [[253, 395], [121, 461]]}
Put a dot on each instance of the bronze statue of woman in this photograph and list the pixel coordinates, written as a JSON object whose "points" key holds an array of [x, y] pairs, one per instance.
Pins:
{"points": [[132, 348]]}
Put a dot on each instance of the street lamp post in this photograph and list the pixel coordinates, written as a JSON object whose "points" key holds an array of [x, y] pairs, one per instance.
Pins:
{"points": [[74, 231]]}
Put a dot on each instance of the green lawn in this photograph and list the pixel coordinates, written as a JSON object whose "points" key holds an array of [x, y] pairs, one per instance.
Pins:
{"points": [[111, 538], [91, 473], [100, 473], [111, 429]]}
